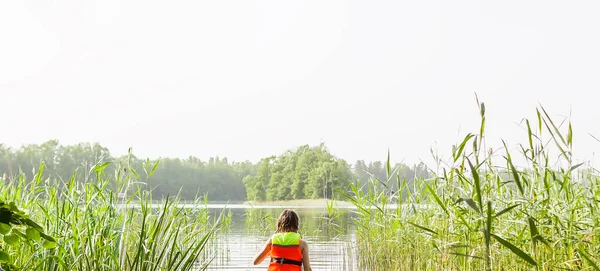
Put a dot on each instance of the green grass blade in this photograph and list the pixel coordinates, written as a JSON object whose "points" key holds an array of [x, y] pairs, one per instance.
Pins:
{"points": [[515, 174], [98, 168], [554, 127], [153, 168], [388, 168], [477, 184], [539, 117], [534, 233], [505, 210], [589, 260], [488, 221], [554, 135], [575, 167], [423, 228], [40, 173], [515, 250], [530, 138], [465, 255], [436, 198], [461, 147], [570, 135], [471, 204]]}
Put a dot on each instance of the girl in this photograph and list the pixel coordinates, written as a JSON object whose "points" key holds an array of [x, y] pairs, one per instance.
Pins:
{"points": [[287, 250]]}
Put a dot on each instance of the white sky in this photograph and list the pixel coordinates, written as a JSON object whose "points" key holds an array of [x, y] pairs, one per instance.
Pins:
{"points": [[248, 79]]}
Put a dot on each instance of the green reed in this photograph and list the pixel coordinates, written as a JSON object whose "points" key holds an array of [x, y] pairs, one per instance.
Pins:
{"points": [[483, 212], [260, 220], [109, 223]]}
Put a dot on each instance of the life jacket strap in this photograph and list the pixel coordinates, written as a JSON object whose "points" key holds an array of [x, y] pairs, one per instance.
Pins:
{"points": [[285, 261]]}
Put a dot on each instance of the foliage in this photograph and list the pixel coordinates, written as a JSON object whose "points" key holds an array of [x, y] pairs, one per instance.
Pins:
{"points": [[376, 174], [217, 178], [16, 227], [97, 227], [482, 212], [307, 172]]}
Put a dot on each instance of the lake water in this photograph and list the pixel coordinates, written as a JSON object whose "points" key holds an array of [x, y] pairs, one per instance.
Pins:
{"points": [[330, 238]]}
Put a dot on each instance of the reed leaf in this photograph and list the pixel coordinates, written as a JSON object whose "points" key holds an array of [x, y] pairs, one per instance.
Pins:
{"points": [[459, 152], [476, 184], [515, 250], [437, 198], [505, 210], [423, 228], [471, 203], [588, 259]]}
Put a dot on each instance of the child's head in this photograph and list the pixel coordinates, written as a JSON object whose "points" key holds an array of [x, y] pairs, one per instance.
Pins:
{"points": [[288, 221]]}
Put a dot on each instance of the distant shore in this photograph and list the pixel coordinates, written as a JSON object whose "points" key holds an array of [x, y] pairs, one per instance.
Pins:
{"points": [[293, 204], [301, 202]]}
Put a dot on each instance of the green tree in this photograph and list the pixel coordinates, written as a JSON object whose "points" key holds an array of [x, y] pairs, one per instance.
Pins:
{"points": [[306, 172], [256, 184]]}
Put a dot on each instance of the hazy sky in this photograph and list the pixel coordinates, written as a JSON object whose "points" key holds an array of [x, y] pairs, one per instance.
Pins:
{"points": [[248, 79]]}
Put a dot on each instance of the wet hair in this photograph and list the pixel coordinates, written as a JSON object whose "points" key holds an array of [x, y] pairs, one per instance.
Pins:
{"points": [[288, 221]]}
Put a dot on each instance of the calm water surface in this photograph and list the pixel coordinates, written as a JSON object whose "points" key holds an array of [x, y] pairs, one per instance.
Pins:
{"points": [[330, 239]]}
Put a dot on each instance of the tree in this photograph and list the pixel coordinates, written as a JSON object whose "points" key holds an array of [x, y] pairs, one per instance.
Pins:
{"points": [[306, 172], [301, 173], [256, 184]]}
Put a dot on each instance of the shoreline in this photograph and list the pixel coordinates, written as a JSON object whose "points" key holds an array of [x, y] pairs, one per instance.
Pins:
{"points": [[317, 203]]}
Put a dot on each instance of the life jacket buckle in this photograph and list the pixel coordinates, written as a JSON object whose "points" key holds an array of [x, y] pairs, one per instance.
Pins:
{"points": [[281, 261]]}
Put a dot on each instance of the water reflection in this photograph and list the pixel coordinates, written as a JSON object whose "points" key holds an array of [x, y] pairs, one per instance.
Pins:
{"points": [[329, 236]]}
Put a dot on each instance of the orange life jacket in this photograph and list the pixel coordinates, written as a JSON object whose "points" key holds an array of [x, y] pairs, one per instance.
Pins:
{"points": [[285, 252]]}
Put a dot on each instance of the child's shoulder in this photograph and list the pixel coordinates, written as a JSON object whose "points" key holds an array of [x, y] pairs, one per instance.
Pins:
{"points": [[303, 244]]}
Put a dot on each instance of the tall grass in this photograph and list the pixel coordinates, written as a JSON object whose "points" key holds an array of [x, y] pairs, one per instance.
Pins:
{"points": [[483, 212], [259, 220], [97, 230]]}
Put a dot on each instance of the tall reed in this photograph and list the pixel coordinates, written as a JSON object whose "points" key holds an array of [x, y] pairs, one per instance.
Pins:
{"points": [[483, 212], [103, 223]]}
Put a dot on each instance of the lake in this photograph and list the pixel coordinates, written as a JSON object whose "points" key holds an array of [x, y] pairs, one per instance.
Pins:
{"points": [[330, 239]]}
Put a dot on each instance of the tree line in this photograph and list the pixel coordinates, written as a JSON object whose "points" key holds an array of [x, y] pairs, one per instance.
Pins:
{"points": [[307, 172]]}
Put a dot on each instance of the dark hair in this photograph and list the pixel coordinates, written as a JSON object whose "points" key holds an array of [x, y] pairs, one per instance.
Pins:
{"points": [[288, 221]]}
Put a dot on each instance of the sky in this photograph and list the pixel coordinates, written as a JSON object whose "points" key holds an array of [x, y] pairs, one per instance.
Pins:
{"points": [[249, 79]]}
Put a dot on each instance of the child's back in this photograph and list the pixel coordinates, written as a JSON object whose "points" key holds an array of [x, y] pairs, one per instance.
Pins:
{"points": [[286, 248]]}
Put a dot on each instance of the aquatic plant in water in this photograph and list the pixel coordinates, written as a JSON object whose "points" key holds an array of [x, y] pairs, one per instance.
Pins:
{"points": [[483, 212], [99, 222]]}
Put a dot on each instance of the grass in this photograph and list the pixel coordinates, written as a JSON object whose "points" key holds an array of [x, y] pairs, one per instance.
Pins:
{"points": [[483, 212], [94, 230]]}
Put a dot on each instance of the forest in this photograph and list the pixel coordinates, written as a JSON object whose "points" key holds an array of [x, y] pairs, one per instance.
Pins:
{"points": [[307, 172]]}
